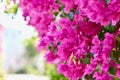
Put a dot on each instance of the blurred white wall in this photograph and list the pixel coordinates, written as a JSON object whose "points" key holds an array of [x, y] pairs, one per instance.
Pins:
{"points": [[15, 31]]}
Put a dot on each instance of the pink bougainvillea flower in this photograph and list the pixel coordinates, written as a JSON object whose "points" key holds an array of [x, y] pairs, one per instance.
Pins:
{"points": [[84, 40]]}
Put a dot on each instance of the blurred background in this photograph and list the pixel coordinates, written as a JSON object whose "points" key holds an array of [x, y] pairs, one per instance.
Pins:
{"points": [[19, 58]]}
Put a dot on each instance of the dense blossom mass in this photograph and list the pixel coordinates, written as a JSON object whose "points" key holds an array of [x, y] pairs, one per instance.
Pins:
{"points": [[81, 36]]}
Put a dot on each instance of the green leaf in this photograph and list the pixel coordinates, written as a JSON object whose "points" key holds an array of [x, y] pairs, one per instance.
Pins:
{"points": [[57, 1], [70, 15], [112, 70], [63, 14], [118, 61], [101, 35], [115, 78], [12, 10], [118, 44], [107, 1], [89, 77], [110, 28], [61, 8], [55, 50], [56, 13], [87, 61], [118, 41], [50, 48]]}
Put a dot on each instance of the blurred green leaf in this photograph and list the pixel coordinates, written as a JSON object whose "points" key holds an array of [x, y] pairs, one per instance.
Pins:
{"points": [[32, 70], [70, 15], [112, 70], [89, 77], [115, 78], [56, 13], [12, 10], [118, 41], [87, 61], [61, 8], [110, 28], [101, 35], [107, 1], [31, 50], [51, 71], [57, 1]]}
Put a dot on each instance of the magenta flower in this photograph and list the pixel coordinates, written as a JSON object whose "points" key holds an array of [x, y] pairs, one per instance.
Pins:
{"points": [[81, 35]]}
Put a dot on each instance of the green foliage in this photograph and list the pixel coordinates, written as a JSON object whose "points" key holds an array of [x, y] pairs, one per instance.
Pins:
{"points": [[89, 77], [101, 35], [110, 28], [118, 42], [107, 1], [31, 51], [115, 53], [56, 13], [57, 1], [52, 72], [112, 70], [70, 16], [115, 78], [30, 55], [88, 57], [87, 61], [12, 10], [29, 69]]}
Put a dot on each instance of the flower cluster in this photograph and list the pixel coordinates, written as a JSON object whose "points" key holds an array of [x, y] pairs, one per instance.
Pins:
{"points": [[81, 36]]}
